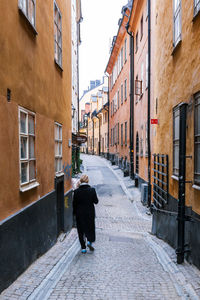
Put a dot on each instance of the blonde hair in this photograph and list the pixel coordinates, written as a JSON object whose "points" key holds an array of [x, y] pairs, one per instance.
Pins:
{"points": [[84, 179]]}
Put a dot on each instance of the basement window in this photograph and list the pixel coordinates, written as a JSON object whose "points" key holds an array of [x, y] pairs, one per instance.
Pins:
{"points": [[27, 147]]}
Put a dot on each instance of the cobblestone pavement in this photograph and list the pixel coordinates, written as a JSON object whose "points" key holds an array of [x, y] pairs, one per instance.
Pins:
{"points": [[128, 262]]}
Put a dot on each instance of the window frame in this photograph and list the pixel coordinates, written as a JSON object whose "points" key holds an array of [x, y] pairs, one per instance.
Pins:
{"points": [[136, 42], [141, 27], [55, 34], [176, 141], [122, 94], [126, 131], [125, 50], [25, 12], [122, 138], [196, 137], [125, 89], [196, 7], [177, 13], [58, 141], [26, 135]]}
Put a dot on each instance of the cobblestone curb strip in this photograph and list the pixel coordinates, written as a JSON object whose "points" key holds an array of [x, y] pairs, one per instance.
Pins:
{"points": [[184, 289], [44, 290]]}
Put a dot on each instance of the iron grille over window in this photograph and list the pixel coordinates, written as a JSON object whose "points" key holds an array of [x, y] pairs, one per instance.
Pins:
{"points": [[58, 35], [176, 121], [197, 140], [196, 7], [177, 22], [160, 180]]}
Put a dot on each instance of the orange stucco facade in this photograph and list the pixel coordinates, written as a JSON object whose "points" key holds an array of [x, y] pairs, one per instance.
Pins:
{"points": [[39, 85], [177, 80], [118, 68]]}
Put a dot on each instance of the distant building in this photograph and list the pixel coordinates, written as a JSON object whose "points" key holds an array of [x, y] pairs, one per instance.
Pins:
{"points": [[35, 130], [118, 68]]}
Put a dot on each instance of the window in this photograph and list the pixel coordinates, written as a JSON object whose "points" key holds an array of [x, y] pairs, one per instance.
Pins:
{"points": [[111, 137], [136, 42], [147, 9], [125, 50], [141, 142], [176, 121], [122, 91], [146, 139], [147, 70], [28, 8], [57, 35], [118, 133], [197, 140], [125, 89], [118, 98], [58, 147], [137, 155], [141, 28], [27, 146], [196, 7], [121, 134], [125, 133], [142, 77], [122, 57], [177, 22]]}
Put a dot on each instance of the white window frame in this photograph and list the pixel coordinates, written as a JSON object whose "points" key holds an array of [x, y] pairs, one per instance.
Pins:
{"points": [[177, 22], [57, 29], [58, 141], [196, 7], [142, 77], [26, 135], [24, 7]]}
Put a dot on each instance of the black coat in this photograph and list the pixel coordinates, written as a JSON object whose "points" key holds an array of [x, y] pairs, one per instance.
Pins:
{"points": [[83, 208]]}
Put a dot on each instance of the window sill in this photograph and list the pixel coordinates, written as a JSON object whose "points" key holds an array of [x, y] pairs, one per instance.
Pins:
{"points": [[29, 186], [196, 187], [59, 66], [176, 47], [28, 21], [60, 174], [195, 16], [175, 177]]}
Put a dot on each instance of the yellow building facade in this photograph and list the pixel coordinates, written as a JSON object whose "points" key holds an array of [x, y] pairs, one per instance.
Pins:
{"points": [[177, 87], [35, 129]]}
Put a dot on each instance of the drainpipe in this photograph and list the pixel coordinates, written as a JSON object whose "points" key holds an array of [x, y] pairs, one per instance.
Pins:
{"points": [[181, 184], [149, 103], [131, 131]]}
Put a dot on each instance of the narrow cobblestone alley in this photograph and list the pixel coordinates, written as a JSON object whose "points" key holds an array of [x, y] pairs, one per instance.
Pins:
{"points": [[128, 262]]}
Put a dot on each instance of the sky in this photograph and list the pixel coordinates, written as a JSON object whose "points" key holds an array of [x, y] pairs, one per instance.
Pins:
{"points": [[99, 25]]}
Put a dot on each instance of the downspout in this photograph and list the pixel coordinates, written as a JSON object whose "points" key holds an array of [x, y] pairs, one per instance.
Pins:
{"points": [[149, 103], [131, 131]]}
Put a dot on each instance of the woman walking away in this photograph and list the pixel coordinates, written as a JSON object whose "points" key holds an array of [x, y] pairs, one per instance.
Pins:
{"points": [[83, 208]]}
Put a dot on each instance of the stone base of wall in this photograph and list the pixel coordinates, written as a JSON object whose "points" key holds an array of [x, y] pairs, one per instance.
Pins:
{"points": [[165, 226], [28, 234]]}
